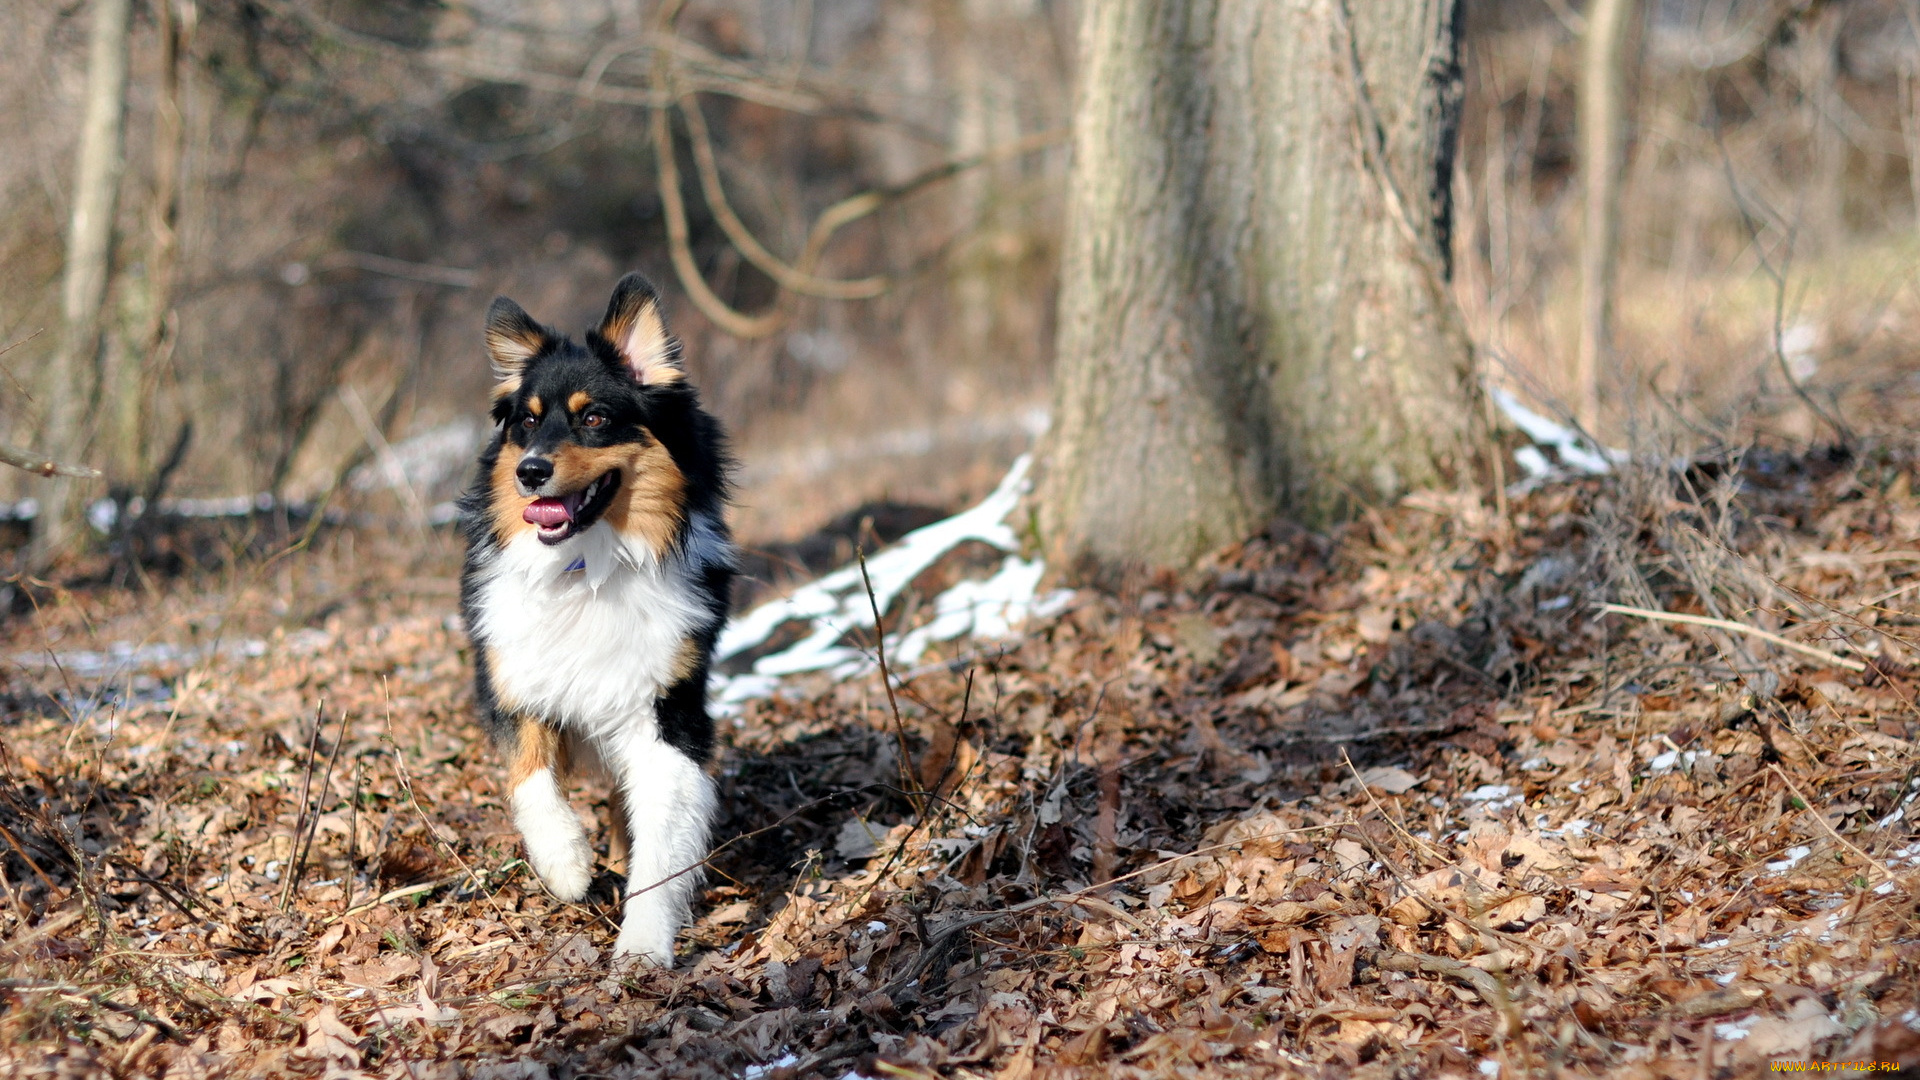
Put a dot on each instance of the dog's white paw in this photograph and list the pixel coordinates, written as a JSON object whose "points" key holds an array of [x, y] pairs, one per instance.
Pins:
{"points": [[647, 931], [565, 864], [557, 845]]}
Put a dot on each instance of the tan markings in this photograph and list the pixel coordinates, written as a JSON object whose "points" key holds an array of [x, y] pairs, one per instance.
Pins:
{"points": [[641, 336], [652, 500], [649, 503], [579, 401], [684, 661], [620, 835], [510, 347], [508, 504], [576, 466], [537, 746], [536, 406], [506, 387]]}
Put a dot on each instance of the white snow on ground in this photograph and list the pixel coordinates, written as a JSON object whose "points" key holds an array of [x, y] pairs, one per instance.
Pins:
{"points": [[1575, 451], [837, 603]]}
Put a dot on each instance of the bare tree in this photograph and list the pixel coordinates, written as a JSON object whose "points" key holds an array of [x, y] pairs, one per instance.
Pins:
{"points": [[1255, 317], [128, 375], [96, 190], [1602, 123]]}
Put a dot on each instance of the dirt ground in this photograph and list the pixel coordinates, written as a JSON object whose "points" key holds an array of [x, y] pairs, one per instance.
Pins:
{"points": [[1398, 801]]}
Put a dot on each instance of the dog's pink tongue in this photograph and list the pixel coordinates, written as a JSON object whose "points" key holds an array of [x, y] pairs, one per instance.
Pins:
{"points": [[547, 512]]}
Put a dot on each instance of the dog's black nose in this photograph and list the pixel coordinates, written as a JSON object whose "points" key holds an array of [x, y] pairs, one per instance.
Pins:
{"points": [[534, 471]]}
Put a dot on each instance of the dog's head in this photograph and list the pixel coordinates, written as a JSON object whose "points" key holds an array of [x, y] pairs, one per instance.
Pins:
{"points": [[582, 425]]}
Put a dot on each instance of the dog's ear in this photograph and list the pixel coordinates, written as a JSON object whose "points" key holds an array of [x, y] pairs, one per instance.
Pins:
{"points": [[636, 330], [513, 339]]}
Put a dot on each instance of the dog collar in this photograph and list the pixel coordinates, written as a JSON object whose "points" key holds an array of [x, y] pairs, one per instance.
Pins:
{"points": [[576, 566]]}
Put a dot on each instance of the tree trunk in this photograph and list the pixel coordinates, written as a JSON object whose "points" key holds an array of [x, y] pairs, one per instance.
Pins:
{"points": [[1255, 317], [129, 383], [1602, 120], [96, 190]]}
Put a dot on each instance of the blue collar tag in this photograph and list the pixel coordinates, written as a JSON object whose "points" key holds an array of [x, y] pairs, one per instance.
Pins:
{"points": [[577, 565]]}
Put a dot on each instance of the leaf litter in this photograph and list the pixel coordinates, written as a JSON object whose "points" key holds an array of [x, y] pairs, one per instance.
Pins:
{"points": [[1396, 800]]}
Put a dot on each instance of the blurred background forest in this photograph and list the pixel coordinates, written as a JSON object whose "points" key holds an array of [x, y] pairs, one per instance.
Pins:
{"points": [[321, 196]]}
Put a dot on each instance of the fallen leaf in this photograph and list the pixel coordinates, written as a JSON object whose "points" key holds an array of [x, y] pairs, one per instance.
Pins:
{"points": [[1389, 779], [504, 1025], [329, 1038]]}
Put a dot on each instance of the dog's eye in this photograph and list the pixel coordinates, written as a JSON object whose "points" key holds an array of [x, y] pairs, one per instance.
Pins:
{"points": [[594, 420], [530, 423]]}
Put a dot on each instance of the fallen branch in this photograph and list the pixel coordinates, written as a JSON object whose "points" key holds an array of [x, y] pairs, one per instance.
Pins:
{"points": [[1483, 983], [1737, 628]]}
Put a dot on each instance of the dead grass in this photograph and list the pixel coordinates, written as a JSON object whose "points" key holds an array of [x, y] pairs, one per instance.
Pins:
{"points": [[1392, 802]]}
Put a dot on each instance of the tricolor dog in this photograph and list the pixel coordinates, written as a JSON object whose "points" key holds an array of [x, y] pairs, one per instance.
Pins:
{"points": [[598, 565]]}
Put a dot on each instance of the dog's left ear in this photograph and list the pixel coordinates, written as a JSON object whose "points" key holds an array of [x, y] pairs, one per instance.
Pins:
{"points": [[636, 330], [513, 340]]}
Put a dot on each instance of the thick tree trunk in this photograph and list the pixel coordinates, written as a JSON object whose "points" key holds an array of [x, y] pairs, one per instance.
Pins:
{"points": [[1255, 317], [96, 190]]}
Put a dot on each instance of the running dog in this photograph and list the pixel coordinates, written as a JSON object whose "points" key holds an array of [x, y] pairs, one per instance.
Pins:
{"points": [[597, 575]]}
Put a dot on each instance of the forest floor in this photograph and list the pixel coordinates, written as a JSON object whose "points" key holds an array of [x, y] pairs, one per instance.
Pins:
{"points": [[1401, 800]]}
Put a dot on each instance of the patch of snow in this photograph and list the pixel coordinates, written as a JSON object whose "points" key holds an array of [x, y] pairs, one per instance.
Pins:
{"points": [[836, 604], [1575, 452], [1794, 855], [122, 657], [1668, 760], [1487, 792], [1736, 1030]]}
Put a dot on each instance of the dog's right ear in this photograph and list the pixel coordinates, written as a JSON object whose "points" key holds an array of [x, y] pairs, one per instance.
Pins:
{"points": [[513, 339], [635, 329]]}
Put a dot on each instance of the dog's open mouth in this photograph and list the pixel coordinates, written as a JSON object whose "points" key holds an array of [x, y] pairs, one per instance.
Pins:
{"points": [[556, 519]]}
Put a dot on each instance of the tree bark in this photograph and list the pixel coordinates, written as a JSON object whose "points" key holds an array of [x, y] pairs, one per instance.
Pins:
{"points": [[1602, 121], [1255, 317], [96, 191], [129, 383]]}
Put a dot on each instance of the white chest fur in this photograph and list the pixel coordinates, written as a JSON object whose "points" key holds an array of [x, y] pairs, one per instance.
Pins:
{"points": [[590, 647]]}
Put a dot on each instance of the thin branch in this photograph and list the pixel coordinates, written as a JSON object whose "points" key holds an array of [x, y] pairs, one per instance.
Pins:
{"points": [[724, 315], [1778, 275], [451, 276], [42, 466], [1872, 862], [789, 278], [854, 207], [1737, 628], [383, 452], [886, 678]]}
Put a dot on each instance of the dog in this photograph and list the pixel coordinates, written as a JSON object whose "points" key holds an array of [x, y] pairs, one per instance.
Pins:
{"points": [[597, 574]]}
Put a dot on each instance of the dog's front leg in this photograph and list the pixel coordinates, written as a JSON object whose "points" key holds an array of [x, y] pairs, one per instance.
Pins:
{"points": [[670, 803], [557, 845]]}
